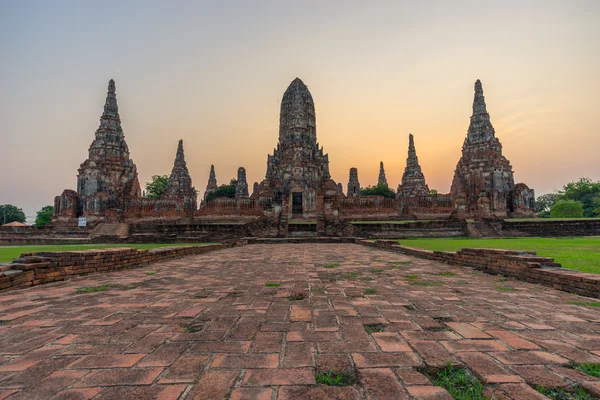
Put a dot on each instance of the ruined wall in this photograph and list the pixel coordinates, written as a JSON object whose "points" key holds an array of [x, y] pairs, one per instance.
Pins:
{"points": [[37, 268], [521, 265]]}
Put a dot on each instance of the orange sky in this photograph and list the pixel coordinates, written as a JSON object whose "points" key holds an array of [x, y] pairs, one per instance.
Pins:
{"points": [[213, 75]]}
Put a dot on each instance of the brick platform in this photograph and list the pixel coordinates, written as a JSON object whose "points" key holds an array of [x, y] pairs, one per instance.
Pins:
{"points": [[207, 327]]}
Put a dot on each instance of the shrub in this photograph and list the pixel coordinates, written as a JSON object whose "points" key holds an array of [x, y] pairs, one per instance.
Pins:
{"points": [[379, 190], [567, 209]]}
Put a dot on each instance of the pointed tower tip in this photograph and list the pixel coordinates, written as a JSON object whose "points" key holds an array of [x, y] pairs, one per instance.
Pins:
{"points": [[478, 86], [111, 86]]}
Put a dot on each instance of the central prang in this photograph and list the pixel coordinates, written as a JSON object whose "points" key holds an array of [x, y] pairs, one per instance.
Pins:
{"points": [[298, 171]]}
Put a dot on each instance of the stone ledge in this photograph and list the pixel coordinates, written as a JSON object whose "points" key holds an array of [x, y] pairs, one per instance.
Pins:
{"points": [[522, 265], [32, 269]]}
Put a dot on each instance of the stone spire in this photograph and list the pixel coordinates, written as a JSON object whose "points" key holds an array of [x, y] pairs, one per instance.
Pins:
{"points": [[108, 169], [180, 182], [212, 182], [483, 179], [340, 189], [480, 129], [381, 180], [297, 120], [413, 180], [241, 189], [353, 184]]}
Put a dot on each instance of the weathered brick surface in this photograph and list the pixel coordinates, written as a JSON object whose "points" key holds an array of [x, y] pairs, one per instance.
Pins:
{"points": [[243, 340]]}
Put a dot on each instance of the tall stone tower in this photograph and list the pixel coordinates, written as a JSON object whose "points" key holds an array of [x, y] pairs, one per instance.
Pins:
{"points": [[381, 180], [353, 183], [108, 176], [180, 182], [483, 178], [212, 182], [413, 181], [298, 170]]}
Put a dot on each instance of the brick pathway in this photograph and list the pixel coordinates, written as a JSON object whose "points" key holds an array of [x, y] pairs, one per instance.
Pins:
{"points": [[207, 327]]}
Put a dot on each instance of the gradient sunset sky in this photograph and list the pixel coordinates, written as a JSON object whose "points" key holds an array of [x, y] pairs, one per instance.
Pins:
{"points": [[213, 73]]}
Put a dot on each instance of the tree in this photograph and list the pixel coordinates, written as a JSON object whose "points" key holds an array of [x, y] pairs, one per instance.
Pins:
{"points": [[544, 202], [379, 190], [44, 216], [585, 191], [433, 191], [567, 209], [157, 187], [223, 191], [10, 213]]}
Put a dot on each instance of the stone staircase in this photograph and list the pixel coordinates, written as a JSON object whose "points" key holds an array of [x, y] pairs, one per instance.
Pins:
{"points": [[115, 229], [480, 229]]}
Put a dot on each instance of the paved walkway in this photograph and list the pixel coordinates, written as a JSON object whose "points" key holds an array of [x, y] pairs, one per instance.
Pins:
{"points": [[208, 327]]}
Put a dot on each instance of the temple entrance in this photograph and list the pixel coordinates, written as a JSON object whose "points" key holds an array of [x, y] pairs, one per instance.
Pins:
{"points": [[297, 203]]}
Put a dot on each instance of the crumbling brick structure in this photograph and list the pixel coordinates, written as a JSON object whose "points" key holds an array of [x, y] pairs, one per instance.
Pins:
{"points": [[483, 184], [297, 178]]}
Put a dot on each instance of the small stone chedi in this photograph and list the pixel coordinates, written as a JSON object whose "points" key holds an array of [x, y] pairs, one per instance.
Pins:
{"points": [[381, 179], [483, 184], [353, 184], [413, 181], [180, 182], [241, 188], [212, 182], [297, 171]]}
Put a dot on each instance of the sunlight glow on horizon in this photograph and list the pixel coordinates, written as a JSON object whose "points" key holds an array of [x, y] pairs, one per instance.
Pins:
{"points": [[213, 75]]}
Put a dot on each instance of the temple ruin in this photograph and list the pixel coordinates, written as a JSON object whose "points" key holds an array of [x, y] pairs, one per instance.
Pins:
{"points": [[297, 184]]}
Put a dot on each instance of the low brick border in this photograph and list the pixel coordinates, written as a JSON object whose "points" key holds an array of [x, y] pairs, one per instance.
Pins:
{"points": [[37, 268], [522, 265], [33, 269]]}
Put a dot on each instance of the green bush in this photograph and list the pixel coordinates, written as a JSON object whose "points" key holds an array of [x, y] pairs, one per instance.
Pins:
{"points": [[567, 209], [379, 190], [223, 191]]}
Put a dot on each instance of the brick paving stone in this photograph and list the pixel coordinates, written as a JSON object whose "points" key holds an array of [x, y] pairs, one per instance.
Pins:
{"points": [[277, 377], [433, 354], [187, 368], [246, 361], [107, 361], [429, 393], [520, 391], [373, 360], [381, 384], [299, 355], [213, 385], [164, 356], [411, 377], [77, 394], [158, 392], [252, 394], [120, 377], [486, 368], [538, 375], [250, 341], [318, 393], [390, 342]]}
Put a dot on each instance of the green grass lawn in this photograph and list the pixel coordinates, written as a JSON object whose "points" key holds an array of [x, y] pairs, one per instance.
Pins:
{"points": [[9, 252], [580, 253]]}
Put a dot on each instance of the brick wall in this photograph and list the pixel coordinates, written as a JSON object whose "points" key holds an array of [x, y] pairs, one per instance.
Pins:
{"points": [[552, 228], [36, 268], [517, 264]]}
